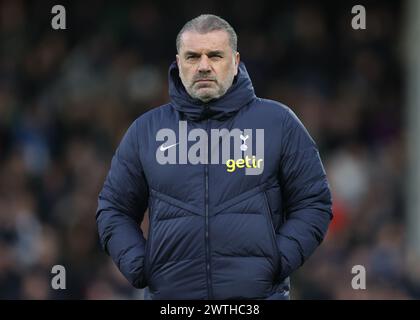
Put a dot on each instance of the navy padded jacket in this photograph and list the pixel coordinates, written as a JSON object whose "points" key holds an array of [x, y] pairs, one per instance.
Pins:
{"points": [[215, 234]]}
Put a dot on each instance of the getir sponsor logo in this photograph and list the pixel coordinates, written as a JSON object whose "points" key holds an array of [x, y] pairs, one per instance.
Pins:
{"points": [[248, 162]]}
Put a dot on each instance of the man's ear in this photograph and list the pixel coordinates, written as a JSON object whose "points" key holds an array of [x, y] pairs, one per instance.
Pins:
{"points": [[177, 60], [237, 60]]}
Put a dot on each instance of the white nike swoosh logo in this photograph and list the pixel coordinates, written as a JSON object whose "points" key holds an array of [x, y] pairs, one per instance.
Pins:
{"points": [[162, 148]]}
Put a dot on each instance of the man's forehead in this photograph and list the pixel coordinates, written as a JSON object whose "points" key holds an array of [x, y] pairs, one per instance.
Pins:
{"points": [[199, 42]]}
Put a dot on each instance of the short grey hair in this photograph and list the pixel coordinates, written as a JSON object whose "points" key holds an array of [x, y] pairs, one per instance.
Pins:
{"points": [[206, 23]]}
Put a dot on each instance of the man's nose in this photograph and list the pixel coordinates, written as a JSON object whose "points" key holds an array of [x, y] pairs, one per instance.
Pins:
{"points": [[204, 65]]}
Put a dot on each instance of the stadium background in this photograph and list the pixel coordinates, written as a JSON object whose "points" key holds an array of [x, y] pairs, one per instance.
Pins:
{"points": [[67, 96]]}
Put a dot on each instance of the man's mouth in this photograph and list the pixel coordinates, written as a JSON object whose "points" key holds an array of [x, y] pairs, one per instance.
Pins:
{"points": [[204, 83], [205, 80]]}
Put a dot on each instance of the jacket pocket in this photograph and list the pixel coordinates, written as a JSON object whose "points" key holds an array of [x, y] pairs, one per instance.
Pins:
{"points": [[147, 254], [269, 218]]}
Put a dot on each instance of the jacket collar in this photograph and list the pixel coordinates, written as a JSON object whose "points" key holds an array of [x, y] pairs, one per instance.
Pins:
{"points": [[238, 95]]}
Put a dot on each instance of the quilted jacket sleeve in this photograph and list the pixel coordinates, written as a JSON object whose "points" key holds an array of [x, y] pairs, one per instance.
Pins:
{"points": [[306, 196], [121, 206]]}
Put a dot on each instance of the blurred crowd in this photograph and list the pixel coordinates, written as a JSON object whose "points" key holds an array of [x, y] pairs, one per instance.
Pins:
{"points": [[67, 97]]}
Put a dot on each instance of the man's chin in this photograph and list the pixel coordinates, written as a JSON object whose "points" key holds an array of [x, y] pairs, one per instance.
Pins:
{"points": [[206, 95]]}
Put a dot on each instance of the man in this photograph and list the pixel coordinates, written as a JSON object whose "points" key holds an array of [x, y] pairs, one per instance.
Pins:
{"points": [[238, 198]]}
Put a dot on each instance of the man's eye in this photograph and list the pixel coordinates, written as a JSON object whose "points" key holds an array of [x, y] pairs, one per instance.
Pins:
{"points": [[191, 57]]}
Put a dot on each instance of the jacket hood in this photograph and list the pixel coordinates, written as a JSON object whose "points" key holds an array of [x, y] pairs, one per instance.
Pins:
{"points": [[238, 95]]}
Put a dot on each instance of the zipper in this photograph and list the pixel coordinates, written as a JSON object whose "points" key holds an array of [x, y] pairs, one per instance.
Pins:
{"points": [[207, 240]]}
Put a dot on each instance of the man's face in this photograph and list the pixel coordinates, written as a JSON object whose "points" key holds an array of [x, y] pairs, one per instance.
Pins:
{"points": [[207, 64]]}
